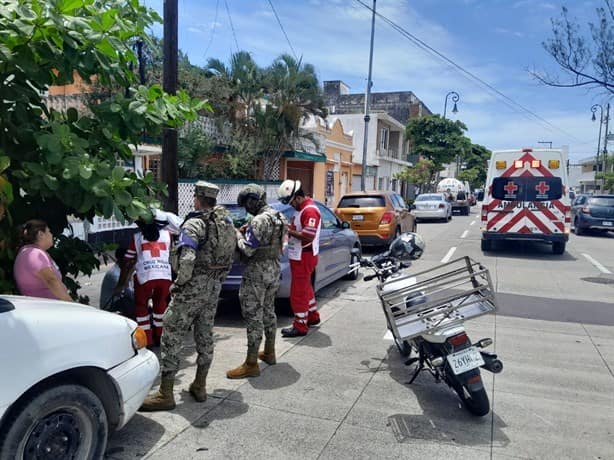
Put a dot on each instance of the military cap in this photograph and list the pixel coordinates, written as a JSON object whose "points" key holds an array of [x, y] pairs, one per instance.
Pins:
{"points": [[206, 189]]}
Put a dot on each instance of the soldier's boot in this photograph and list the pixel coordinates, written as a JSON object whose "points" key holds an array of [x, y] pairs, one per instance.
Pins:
{"points": [[268, 355], [163, 399], [198, 388], [248, 369]]}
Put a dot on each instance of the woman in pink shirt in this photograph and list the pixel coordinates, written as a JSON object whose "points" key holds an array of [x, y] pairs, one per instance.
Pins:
{"points": [[35, 272]]}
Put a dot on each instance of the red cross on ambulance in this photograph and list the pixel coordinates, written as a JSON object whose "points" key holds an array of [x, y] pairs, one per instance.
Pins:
{"points": [[542, 187], [510, 188]]}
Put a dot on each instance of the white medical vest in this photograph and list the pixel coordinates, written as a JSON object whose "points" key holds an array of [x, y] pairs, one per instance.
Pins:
{"points": [[153, 257], [295, 246]]}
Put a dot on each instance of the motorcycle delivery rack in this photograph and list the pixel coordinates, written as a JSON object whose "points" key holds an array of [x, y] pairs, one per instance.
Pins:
{"points": [[437, 298]]}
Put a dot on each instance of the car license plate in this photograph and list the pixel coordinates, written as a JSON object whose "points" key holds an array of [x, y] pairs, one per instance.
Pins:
{"points": [[358, 217], [465, 360], [607, 224]]}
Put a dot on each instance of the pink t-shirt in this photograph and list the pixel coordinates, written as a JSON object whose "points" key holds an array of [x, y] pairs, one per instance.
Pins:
{"points": [[30, 260]]}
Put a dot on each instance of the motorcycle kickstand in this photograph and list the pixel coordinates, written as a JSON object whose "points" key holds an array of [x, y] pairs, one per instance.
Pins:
{"points": [[418, 370]]}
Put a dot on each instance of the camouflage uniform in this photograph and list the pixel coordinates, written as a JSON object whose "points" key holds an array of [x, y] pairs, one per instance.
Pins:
{"points": [[198, 273], [261, 249], [201, 259]]}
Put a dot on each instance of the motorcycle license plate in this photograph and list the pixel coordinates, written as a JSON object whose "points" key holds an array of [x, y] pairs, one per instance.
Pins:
{"points": [[465, 360]]}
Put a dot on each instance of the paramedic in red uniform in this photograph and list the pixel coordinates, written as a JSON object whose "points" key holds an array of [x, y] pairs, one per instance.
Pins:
{"points": [[149, 251], [303, 248]]}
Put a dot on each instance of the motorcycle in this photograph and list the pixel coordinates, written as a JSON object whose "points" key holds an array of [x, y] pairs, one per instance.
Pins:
{"points": [[425, 312]]}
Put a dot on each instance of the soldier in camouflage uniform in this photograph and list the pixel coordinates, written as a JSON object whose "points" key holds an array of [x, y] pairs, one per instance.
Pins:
{"points": [[260, 244], [205, 252]]}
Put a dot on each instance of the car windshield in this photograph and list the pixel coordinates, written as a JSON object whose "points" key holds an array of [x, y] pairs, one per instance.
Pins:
{"points": [[429, 198], [527, 188], [602, 201], [365, 201]]}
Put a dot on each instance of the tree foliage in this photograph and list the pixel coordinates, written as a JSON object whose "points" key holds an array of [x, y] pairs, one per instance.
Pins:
{"points": [[63, 162], [586, 57], [421, 174], [438, 139], [475, 166]]}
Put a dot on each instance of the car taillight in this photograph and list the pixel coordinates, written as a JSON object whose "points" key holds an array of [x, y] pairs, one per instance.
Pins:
{"points": [[441, 206], [585, 210], [458, 339], [387, 218], [139, 339]]}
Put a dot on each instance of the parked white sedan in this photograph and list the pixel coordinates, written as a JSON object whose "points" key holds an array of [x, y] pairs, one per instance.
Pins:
{"points": [[432, 206], [69, 375]]}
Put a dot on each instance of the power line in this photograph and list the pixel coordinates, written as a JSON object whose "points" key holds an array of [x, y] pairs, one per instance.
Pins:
{"points": [[466, 73], [217, 4], [232, 27], [283, 30]]}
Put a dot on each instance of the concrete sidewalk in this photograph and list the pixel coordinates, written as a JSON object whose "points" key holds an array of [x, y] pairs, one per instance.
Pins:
{"points": [[341, 392]]}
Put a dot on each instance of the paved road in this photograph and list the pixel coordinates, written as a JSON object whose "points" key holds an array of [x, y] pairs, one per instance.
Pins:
{"points": [[341, 392]]}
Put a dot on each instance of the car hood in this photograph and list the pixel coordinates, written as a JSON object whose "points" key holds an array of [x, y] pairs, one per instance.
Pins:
{"points": [[42, 337]]}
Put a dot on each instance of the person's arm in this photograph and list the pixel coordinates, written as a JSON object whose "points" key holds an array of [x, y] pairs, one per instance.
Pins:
{"points": [[124, 276], [54, 284], [310, 223]]}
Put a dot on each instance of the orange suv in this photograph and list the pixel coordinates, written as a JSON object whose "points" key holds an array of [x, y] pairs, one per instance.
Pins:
{"points": [[377, 217]]}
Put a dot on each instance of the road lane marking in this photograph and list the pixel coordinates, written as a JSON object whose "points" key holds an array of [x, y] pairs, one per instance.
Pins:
{"points": [[464, 233], [600, 267], [472, 222], [448, 255]]}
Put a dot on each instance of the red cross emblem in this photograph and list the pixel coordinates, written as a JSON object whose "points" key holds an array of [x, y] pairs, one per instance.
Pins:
{"points": [[510, 188], [542, 187], [154, 247]]}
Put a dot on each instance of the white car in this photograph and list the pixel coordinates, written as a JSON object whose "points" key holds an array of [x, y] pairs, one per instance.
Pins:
{"points": [[432, 206], [69, 374]]}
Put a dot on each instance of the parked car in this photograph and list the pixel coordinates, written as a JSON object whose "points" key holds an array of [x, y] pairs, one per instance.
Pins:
{"points": [[339, 247], [432, 206], [592, 212], [70, 374], [378, 217]]}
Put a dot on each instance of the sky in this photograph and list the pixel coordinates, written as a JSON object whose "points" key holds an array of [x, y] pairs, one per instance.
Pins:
{"points": [[499, 41]]}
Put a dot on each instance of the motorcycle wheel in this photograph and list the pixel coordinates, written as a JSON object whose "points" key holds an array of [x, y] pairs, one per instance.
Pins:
{"points": [[475, 402]]}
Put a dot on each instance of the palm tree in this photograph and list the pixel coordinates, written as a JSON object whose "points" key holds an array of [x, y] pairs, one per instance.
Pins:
{"points": [[293, 94]]}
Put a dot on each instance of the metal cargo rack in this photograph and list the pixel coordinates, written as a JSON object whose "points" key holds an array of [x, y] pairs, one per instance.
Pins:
{"points": [[442, 296]]}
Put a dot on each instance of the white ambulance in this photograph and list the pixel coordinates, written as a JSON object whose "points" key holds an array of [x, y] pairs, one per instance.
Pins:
{"points": [[527, 198]]}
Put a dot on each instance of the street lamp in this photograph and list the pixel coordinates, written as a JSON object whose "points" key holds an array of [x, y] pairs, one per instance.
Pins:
{"points": [[593, 118], [546, 142], [455, 98]]}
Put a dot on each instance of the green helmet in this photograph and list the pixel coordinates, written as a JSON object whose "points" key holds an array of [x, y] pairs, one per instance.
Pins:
{"points": [[253, 191]]}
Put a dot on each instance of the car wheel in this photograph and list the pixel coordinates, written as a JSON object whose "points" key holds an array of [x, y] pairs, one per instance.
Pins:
{"points": [[352, 276], [576, 227], [66, 421], [558, 247]]}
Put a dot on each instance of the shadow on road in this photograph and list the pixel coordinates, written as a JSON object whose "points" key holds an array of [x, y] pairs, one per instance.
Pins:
{"points": [[273, 377], [444, 419], [526, 250]]}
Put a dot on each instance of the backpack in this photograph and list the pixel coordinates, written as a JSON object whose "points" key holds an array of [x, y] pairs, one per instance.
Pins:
{"points": [[220, 237]]}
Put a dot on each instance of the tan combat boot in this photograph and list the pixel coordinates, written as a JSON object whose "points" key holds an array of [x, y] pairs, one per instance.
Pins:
{"points": [[163, 399], [198, 388], [268, 355], [248, 369]]}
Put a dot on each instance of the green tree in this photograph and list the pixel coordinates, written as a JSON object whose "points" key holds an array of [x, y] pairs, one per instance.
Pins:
{"points": [[293, 94], [438, 139], [63, 162], [586, 57], [421, 174], [476, 166]]}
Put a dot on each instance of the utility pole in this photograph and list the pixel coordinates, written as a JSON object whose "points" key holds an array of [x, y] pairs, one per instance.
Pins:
{"points": [[169, 135], [605, 142], [367, 101]]}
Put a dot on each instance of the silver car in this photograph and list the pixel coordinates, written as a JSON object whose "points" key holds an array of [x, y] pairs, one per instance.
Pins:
{"points": [[339, 247], [432, 206]]}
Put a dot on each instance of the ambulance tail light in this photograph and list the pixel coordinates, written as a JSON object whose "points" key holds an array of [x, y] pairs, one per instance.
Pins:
{"points": [[518, 164], [387, 218], [536, 164], [554, 164], [501, 164], [484, 213]]}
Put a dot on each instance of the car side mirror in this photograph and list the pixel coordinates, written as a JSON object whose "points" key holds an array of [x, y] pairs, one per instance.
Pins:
{"points": [[345, 225]]}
